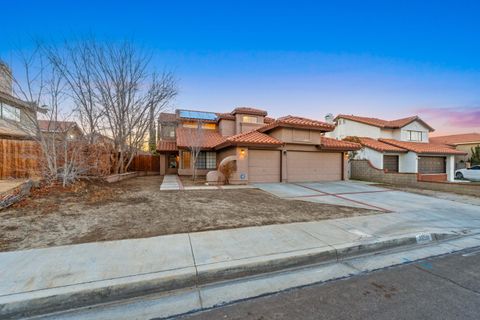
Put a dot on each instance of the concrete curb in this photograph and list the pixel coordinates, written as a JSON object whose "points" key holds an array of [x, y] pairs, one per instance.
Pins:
{"points": [[64, 298]]}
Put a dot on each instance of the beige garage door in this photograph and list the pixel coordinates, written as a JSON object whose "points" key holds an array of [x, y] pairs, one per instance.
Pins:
{"points": [[313, 166], [263, 166]]}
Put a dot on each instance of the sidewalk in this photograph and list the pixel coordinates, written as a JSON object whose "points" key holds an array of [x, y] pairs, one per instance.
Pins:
{"points": [[171, 182], [124, 268]]}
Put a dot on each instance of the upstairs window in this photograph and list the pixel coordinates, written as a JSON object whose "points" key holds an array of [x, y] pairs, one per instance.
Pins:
{"points": [[249, 119], [194, 125], [414, 135], [190, 124], [209, 126], [168, 131], [9, 113]]}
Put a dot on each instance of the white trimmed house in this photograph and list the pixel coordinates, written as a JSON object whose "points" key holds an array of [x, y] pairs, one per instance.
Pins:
{"points": [[400, 145]]}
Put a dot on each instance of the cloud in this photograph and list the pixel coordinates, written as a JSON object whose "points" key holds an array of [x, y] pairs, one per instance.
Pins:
{"points": [[451, 120]]}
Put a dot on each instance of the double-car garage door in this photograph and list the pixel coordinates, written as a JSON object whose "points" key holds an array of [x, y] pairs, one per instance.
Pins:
{"points": [[265, 166]]}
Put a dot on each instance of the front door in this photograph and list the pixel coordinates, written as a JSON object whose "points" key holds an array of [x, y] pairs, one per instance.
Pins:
{"points": [[172, 163]]}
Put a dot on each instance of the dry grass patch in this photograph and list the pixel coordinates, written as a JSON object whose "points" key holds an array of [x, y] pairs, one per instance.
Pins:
{"points": [[136, 208]]}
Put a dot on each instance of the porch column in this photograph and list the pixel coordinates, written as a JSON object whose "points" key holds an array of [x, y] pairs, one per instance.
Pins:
{"points": [[450, 168]]}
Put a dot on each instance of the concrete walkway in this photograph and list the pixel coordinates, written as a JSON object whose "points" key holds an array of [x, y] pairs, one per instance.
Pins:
{"points": [[171, 182]]}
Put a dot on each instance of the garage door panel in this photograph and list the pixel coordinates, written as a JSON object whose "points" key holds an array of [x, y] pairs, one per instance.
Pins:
{"points": [[432, 165], [313, 166], [263, 166]]}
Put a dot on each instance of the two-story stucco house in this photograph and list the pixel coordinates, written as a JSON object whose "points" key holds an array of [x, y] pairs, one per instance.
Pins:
{"points": [[400, 145], [287, 149], [15, 115]]}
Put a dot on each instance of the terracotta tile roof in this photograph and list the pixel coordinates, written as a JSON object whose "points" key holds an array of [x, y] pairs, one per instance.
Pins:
{"points": [[389, 124], [298, 122], [375, 144], [248, 110], [225, 116], [56, 126], [454, 139], [251, 138], [334, 144], [423, 148], [186, 137], [166, 146], [268, 120], [167, 117]]}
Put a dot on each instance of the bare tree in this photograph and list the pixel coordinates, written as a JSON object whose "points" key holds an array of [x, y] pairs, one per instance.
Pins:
{"points": [[42, 85], [116, 93], [75, 63], [195, 141]]}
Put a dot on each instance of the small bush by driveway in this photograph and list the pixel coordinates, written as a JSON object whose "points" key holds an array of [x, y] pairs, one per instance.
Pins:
{"points": [[136, 208]]}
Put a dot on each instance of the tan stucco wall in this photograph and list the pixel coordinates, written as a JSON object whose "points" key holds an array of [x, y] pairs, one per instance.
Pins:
{"points": [[467, 148], [226, 127], [302, 136], [245, 127]]}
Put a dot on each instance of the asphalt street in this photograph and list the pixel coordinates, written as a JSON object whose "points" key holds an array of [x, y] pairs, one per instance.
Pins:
{"points": [[445, 287]]}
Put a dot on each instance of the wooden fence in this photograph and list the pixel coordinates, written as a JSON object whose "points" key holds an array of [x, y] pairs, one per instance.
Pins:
{"points": [[145, 162], [23, 159], [19, 159]]}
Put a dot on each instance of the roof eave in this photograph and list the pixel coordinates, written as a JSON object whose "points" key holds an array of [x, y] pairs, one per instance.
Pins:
{"points": [[287, 125]]}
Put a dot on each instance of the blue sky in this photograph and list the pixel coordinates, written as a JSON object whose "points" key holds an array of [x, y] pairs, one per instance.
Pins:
{"points": [[373, 58]]}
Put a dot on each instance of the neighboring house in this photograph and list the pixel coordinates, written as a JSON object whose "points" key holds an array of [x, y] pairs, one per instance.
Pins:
{"points": [[401, 145], [15, 115], [463, 142], [64, 130], [288, 149]]}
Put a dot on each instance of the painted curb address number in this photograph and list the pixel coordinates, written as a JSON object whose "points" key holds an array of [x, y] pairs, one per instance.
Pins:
{"points": [[424, 237]]}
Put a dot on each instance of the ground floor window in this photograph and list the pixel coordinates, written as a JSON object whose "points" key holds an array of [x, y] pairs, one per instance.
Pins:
{"points": [[207, 160], [186, 159]]}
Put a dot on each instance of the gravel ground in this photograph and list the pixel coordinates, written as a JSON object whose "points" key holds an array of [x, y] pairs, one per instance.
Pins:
{"points": [[136, 208]]}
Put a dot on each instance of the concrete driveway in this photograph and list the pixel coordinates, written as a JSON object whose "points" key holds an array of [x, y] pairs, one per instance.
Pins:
{"points": [[363, 195]]}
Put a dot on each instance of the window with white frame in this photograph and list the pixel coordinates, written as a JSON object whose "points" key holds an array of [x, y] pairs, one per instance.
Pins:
{"points": [[249, 119], [414, 135], [9, 113]]}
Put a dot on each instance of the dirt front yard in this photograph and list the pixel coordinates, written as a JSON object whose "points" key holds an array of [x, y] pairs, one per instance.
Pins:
{"points": [[136, 208]]}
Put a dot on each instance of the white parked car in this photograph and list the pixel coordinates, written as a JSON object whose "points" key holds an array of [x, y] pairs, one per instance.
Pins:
{"points": [[472, 173]]}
